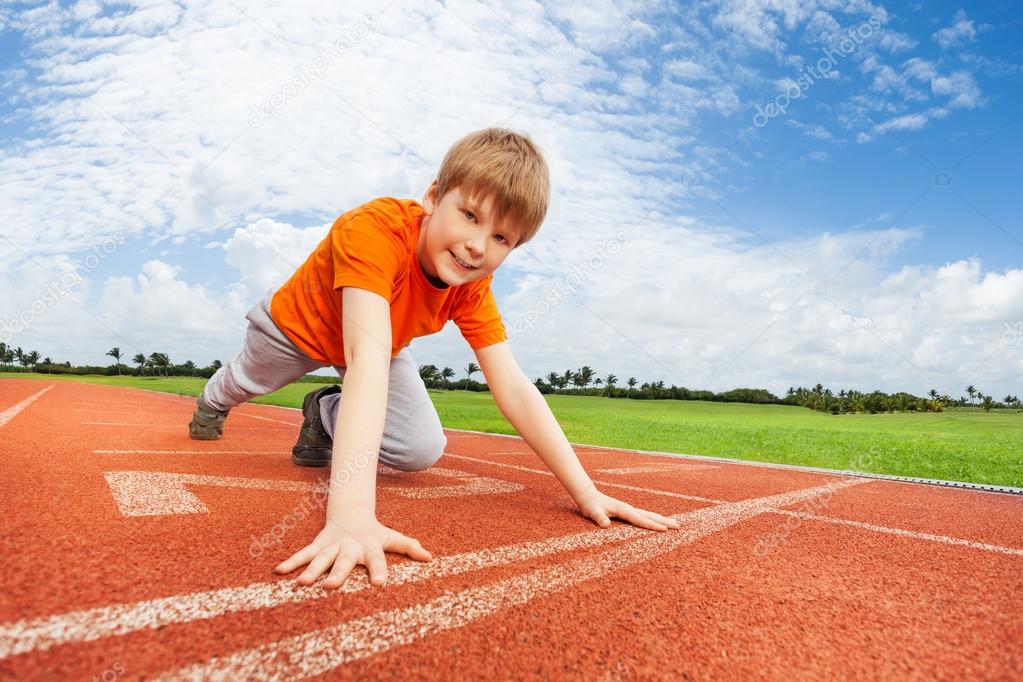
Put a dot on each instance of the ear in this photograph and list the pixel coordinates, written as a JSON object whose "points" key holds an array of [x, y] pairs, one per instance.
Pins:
{"points": [[430, 198]]}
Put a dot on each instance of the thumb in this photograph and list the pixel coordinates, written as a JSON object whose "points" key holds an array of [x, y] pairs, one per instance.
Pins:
{"points": [[409, 547], [603, 521]]}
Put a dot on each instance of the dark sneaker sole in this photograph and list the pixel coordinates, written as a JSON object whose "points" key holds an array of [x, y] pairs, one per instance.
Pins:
{"points": [[203, 436], [311, 458]]}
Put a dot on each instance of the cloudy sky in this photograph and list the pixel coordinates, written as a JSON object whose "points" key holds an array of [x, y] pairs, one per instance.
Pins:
{"points": [[745, 193]]}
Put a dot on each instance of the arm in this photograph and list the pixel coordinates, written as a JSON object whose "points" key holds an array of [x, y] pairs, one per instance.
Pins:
{"points": [[524, 406], [351, 534]]}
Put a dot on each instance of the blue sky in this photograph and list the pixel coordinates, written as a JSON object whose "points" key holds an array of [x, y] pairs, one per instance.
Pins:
{"points": [[897, 173]]}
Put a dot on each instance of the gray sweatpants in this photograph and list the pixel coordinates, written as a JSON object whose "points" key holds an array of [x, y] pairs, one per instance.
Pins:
{"points": [[412, 439]]}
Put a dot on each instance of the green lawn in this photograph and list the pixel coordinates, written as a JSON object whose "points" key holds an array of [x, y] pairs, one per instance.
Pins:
{"points": [[959, 444]]}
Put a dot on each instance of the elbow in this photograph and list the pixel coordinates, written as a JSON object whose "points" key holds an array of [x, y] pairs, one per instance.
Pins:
{"points": [[510, 399]]}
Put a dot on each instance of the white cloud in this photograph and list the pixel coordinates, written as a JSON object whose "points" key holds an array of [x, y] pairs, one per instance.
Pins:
{"points": [[267, 252], [960, 87], [959, 33], [812, 130], [685, 69]]}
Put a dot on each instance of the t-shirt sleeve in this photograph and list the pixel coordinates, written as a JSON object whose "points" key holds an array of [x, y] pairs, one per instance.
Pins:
{"points": [[477, 316], [366, 251]]}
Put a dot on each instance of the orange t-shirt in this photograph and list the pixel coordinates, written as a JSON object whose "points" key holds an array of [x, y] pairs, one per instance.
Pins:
{"points": [[373, 247]]}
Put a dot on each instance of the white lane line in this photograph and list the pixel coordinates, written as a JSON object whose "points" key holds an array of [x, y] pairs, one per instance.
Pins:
{"points": [[268, 419], [470, 484], [40, 634], [158, 425], [158, 493], [279, 453], [656, 469], [11, 412], [944, 539], [625, 486], [320, 651], [917, 535]]}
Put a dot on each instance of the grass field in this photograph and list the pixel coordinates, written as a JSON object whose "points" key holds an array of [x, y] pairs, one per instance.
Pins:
{"points": [[959, 444]]}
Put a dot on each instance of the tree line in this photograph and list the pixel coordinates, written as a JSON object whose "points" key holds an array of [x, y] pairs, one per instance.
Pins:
{"points": [[582, 381], [155, 364]]}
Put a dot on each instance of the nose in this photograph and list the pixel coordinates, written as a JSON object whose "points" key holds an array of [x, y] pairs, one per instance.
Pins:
{"points": [[476, 246]]}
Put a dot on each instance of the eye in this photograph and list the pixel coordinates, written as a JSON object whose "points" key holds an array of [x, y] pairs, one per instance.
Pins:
{"points": [[504, 240], [469, 214]]}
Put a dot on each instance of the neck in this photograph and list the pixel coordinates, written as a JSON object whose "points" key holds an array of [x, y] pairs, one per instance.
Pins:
{"points": [[421, 255]]}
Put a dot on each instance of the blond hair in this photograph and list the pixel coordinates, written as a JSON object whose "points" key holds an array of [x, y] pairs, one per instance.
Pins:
{"points": [[506, 167]]}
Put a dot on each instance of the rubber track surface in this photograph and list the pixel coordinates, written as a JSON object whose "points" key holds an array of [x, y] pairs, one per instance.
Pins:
{"points": [[129, 551]]}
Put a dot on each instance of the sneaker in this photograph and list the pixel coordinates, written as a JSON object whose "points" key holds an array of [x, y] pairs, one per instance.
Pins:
{"points": [[207, 423], [314, 444]]}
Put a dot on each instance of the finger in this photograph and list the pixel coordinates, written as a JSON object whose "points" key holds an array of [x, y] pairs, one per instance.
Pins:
{"points": [[403, 544], [376, 564], [665, 521], [633, 516], [601, 519], [299, 558], [343, 566], [317, 567]]}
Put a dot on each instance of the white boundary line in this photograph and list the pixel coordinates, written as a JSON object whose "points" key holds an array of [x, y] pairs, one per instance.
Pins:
{"points": [[39, 634], [188, 452], [946, 539], [917, 535], [12, 412], [624, 486], [321, 651]]}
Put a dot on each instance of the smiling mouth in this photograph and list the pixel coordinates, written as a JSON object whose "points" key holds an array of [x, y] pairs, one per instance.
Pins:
{"points": [[461, 262]]}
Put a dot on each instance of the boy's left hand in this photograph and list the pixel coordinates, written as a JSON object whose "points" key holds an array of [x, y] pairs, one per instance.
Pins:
{"points": [[601, 508]]}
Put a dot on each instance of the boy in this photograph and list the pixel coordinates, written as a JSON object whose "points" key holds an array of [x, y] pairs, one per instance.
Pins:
{"points": [[390, 271]]}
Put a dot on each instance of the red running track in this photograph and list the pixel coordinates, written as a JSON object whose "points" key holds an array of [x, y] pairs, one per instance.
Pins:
{"points": [[130, 551]]}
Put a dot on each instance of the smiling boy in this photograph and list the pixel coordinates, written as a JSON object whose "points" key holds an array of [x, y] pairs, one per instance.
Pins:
{"points": [[390, 271]]}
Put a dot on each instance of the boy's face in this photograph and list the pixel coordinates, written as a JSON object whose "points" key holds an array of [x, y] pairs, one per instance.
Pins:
{"points": [[455, 233]]}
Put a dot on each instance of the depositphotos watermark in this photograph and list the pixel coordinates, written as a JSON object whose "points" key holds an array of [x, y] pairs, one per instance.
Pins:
{"points": [[115, 670], [315, 500], [568, 285], [260, 113], [765, 544], [809, 75], [1013, 334], [59, 288]]}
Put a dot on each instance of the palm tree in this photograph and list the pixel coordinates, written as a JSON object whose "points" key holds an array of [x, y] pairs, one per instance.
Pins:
{"points": [[30, 359], [987, 403], [158, 360], [632, 384], [586, 375], [554, 379], [428, 373], [446, 374], [971, 391], [933, 393], [3, 354], [140, 360], [609, 381], [115, 353], [471, 369]]}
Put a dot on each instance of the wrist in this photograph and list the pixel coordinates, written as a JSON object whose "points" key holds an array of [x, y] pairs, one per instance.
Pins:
{"points": [[349, 510], [585, 490]]}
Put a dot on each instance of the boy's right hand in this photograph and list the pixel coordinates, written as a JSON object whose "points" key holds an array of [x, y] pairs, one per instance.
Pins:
{"points": [[347, 541]]}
